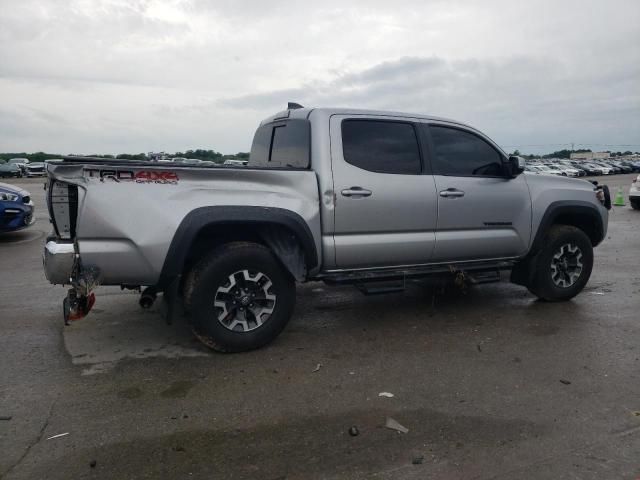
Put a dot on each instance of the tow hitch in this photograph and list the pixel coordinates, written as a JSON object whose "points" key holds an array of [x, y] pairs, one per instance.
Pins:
{"points": [[80, 299]]}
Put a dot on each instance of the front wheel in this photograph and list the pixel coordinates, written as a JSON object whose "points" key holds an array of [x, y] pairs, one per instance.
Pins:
{"points": [[563, 267], [240, 297], [635, 204]]}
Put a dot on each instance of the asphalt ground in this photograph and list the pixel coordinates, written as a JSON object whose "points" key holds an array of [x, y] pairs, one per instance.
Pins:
{"points": [[490, 383]]}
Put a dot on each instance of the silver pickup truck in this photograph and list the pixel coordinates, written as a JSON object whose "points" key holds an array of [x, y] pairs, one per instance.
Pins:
{"points": [[368, 198]]}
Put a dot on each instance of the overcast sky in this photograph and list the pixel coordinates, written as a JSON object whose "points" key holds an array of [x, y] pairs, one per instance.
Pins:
{"points": [[111, 76]]}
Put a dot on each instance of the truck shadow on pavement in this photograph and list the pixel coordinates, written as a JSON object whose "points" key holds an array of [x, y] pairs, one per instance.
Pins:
{"points": [[440, 309], [119, 329], [20, 237]]}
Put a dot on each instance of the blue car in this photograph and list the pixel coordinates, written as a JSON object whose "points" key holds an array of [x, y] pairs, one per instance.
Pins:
{"points": [[16, 208]]}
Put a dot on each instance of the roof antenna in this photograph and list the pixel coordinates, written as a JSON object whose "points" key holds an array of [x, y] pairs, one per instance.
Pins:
{"points": [[293, 106]]}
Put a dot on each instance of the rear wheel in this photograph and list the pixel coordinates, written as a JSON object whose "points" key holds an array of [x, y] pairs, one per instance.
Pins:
{"points": [[563, 267], [635, 204], [240, 297]]}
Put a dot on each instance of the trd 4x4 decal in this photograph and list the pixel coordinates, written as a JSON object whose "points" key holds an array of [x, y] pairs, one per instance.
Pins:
{"points": [[142, 176]]}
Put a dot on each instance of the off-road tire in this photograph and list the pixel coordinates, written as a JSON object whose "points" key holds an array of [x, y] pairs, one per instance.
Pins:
{"points": [[542, 284], [212, 272]]}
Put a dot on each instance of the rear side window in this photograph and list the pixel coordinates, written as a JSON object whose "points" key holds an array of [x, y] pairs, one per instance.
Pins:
{"points": [[282, 145], [463, 154], [381, 146]]}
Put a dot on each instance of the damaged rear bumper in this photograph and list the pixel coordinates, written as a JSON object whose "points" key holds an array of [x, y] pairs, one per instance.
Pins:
{"points": [[59, 259], [62, 265]]}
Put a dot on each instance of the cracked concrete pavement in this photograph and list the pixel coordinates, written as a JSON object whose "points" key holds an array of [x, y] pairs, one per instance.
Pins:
{"points": [[490, 384]]}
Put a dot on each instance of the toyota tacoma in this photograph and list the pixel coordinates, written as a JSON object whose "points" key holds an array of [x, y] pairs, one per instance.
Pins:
{"points": [[369, 198]]}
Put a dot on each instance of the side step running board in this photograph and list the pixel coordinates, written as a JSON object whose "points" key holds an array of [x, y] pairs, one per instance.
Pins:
{"points": [[379, 288], [484, 277], [483, 271]]}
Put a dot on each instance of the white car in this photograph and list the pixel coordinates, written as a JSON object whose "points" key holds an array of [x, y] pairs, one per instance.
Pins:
{"points": [[546, 170], [567, 170], [603, 170], [35, 169], [236, 163], [607, 170], [634, 193], [555, 170], [570, 169]]}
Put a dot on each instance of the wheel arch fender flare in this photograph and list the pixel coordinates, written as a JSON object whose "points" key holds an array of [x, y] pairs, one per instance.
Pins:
{"points": [[260, 218], [569, 212], [581, 214]]}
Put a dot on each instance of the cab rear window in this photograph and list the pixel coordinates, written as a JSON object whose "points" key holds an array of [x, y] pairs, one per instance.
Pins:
{"points": [[282, 144]]}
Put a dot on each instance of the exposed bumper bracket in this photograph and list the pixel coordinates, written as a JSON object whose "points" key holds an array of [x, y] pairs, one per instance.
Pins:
{"points": [[59, 261]]}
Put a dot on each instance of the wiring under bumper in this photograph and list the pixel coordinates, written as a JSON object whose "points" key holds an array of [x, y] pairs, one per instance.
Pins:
{"points": [[62, 265]]}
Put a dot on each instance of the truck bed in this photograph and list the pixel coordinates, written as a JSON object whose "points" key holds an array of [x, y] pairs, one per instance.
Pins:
{"points": [[128, 212]]}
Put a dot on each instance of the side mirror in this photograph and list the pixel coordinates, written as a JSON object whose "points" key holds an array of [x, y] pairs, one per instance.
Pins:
{"points": [[516, 165]]}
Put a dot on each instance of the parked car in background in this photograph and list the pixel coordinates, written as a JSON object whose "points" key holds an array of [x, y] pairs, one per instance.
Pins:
{"points": [[614, 170], [579, 172], [10, 170], [187, 161], [603, 169], [568, 170], [546, 170], [589, 170], [557, 170], [236, 163], [634, 193], [35, 169], [16, 208], [566, 164], [635, 166], [20, 162], [620, 165]]}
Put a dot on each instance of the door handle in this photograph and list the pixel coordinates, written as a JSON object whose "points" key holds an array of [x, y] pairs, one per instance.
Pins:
{"points": [[356, 192], [451, 192]]}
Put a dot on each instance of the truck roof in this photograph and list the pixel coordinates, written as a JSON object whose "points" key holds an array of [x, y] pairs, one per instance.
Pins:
{"points": [[305, 112]]}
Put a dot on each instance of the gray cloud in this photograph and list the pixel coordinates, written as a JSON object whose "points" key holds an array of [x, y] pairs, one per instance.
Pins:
{"points": [[122, 75], [520, 100]]}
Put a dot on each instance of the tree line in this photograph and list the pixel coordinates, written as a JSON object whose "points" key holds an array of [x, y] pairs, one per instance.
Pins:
{"points": [[199, 154]]}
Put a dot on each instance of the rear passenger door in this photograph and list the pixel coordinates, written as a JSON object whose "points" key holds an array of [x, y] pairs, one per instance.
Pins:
{"points": [[482, 214], [385, 207]]}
